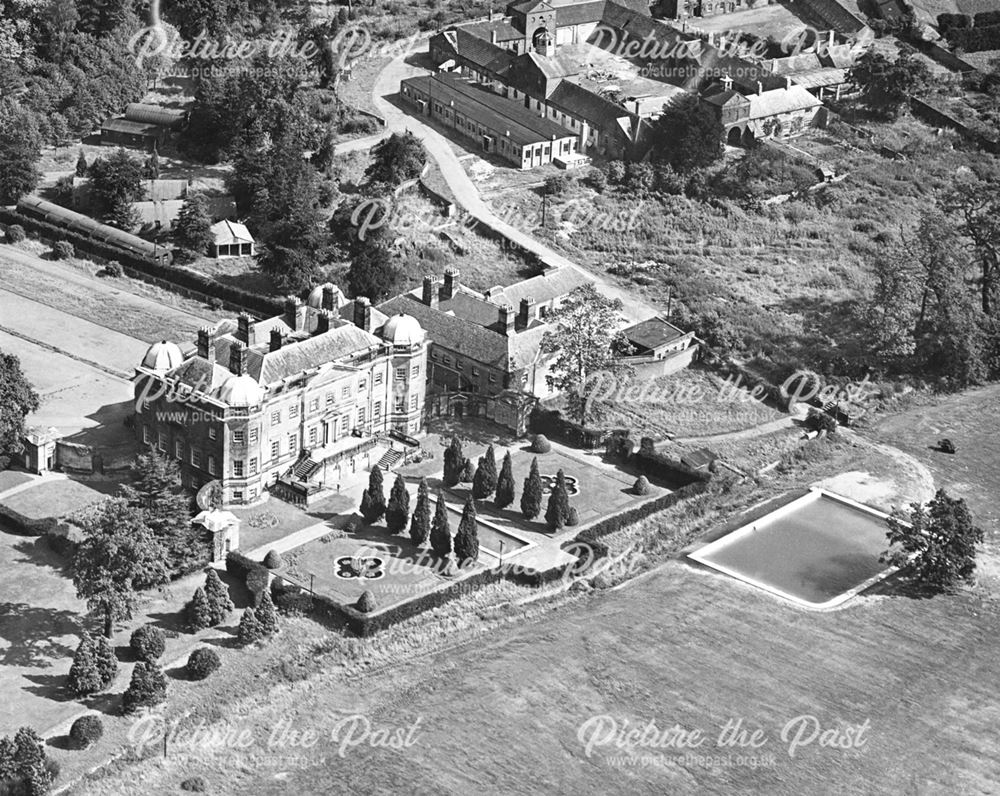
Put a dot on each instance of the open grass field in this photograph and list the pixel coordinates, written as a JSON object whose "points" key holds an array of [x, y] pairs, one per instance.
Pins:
{"points": [[682, 647]]}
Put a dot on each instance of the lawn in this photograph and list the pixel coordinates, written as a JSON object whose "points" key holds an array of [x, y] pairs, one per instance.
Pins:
{"points": [[58, 498], [693, 402]]}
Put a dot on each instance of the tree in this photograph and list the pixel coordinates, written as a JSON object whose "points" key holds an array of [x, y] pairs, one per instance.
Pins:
{"points": [[220, 605], [249, 630], [467, 536], [454, 462], [938, 542], [106, 660], [886, 86], [267, 614], [688, 135], [584, 342], [291, 269], [441, 530], [557, 511], [158, 493], [116, 559], [84, 676], [505, 484], [976, 200], [531, 496], [485, 481], [17, 400], [24, 766], [420, 523], [151, 168], [81, 164], [396, 159], [198, 612], [147, 643], [148, 687], [115, 183], [20, 150], [373, 499], [193, 227], [373, 272], [398, 511]]}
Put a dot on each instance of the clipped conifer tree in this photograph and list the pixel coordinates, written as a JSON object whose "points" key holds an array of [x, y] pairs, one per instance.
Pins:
{"points": [[441, 530], [106, 660], [249, 630], [267, 614], [220, 605], [505, 484], [198, 612], [531, 497], [373, 498], [467, 536], [557, 512], [398, 509], [84, 674], [420, 523]]}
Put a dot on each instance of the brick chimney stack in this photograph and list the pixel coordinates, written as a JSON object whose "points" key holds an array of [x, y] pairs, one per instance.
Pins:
{"points": [[507, 319], [363, 313], [206, 344], [275, 344], [526, 312], [430, 291], [238, 358], [293, 305], [245, 331], [450, 283], [329, 303], [324, 321]]}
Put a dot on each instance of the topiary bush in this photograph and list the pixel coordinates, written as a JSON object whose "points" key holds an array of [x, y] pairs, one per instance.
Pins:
{"points": [[85, 731], [148, 643], [273, 560], [366, 603], [641, 486], [201, 663], [114, 270], [63, 250], [540, 444], [15, 233], [572, 516]]}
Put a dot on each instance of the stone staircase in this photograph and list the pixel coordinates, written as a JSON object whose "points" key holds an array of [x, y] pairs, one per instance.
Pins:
{"points": [[389, 459], [304, 468]]}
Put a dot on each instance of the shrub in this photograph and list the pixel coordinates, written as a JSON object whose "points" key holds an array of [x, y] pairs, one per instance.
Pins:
{"points": [[106, 660], [147, 688], [366, 603], [558, 507], [596, 179], [198, 612], [217, 594], [84, 675], [267, 616], [540, 444], [85, 731], [147, 643], [818, 420], [250, 629], [531, 495], [63, 250], [468, 472], [572, 517], [114, 270], [946, 446], [202, 662], [273, 560], [556, 184], [641, 486], [15, 233], [373, 503], [215, 303], [194, 785]]}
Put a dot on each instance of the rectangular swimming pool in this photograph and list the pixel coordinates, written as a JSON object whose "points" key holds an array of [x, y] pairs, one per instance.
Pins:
{"points": [[817, 551]]}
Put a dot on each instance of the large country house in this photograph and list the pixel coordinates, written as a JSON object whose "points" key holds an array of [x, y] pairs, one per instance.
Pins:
{"points": [[257, 398]]}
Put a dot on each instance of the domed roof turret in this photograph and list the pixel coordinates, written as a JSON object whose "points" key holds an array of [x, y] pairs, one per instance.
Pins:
{"points": [[162, 356], [402, 329], [240, 391]]}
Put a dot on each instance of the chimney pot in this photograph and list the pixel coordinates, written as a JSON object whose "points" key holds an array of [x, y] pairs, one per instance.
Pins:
{"points": [[292, 307], [323, 319], [507, 319]]}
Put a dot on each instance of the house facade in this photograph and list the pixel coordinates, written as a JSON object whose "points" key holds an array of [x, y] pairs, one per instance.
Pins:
{"points": [[257, 397]]}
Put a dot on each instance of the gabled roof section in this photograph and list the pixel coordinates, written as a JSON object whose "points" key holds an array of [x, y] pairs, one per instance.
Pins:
{"points": [[577, 101], [784, 100], [543, 288]]}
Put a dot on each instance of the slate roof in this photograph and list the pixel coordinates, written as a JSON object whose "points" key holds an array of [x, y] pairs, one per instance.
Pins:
{"points": [[543, 288], [228, 232], [783, 100], [480, 52], [452, 332], [502, 27], [577, 101], [653, 333]]}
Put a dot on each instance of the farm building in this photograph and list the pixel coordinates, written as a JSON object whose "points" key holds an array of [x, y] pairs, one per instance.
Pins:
{"points": [[498, 125], [134, 135], [172, 118]]}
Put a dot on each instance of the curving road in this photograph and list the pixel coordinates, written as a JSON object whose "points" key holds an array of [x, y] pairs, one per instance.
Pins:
{"points": [[467, 194]]}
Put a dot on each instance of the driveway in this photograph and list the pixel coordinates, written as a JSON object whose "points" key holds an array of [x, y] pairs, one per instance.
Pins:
{"points": [[466, 192]]}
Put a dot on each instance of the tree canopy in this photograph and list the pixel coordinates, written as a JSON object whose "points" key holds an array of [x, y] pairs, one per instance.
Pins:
{"points": [[886, 85], [688, 135], [17, 400]]}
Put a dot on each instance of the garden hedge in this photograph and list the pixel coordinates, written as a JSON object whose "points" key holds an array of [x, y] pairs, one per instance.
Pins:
{"points": [[173, 274], [552, 424]]}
